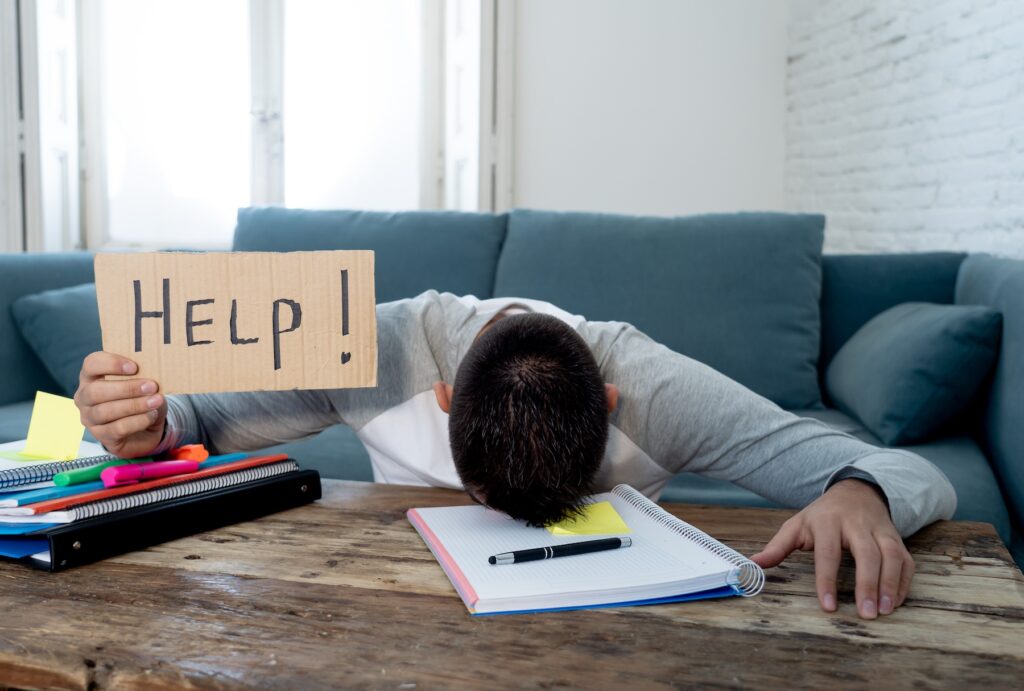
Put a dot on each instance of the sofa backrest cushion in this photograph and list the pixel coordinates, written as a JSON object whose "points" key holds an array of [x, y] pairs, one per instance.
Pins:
{"points": [[739, 292], [857, 287], [999, 283], [415, 250], [24, 274], [62, 326]]}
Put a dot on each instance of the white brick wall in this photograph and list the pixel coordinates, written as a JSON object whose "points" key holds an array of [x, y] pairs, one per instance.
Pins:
{"points": [[905, 123]]}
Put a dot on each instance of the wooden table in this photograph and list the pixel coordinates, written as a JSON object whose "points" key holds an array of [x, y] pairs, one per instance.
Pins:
{"points": [[343, 593]]}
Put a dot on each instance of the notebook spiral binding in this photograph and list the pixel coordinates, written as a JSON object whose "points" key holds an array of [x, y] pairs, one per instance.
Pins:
{"points": [[182, 489], [750, 576], [44, 472]]}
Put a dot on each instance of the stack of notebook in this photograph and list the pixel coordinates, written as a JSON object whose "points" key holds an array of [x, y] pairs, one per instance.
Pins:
{"points": [[56, 527]]}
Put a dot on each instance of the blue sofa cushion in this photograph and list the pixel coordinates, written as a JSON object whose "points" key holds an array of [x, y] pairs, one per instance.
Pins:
{"points": [[999, 283], [978, 497], [62, 326], [739, 292], [24, 274], [14, 419], [914, 367], [856, 287], [415, 250], [336, 453]]}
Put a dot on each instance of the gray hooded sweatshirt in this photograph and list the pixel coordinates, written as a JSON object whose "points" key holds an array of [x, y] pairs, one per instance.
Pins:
{"points": [[674, 415]]}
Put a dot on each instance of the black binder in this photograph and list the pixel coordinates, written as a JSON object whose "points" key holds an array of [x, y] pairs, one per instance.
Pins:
{"points": [[105, 536]]}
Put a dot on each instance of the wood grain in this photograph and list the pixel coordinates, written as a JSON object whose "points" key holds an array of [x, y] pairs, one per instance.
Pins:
{"points": [[343, 593]]}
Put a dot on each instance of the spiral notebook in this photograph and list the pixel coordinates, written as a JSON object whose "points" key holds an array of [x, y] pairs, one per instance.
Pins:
{"points": [[131, 500], [669, 561], [28, 474]]}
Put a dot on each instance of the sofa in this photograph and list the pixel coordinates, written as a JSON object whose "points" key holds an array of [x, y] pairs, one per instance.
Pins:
{"points": [[749, 294]]}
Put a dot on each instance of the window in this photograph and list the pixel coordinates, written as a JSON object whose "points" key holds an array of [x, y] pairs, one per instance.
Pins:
{"points": [[176, 113], [352, 104], [184, 134]]}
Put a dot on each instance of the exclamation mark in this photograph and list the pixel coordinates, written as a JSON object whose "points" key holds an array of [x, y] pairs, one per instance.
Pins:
{"points": [[345, 357]]}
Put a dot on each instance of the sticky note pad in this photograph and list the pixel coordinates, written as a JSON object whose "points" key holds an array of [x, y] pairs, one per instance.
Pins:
{"points": [[55, 430], [599, 518]]}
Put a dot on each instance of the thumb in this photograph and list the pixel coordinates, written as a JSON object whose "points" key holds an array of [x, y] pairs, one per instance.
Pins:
{"points": [[158, 421], [780, 546]]}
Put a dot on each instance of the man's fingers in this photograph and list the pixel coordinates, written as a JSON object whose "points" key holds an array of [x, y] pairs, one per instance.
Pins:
{"points": [[116, 432], [906, 575], [828, 551], [98, 392], [869, 561], [890, 574], [779, 547], [105, 413], [100, 364]]}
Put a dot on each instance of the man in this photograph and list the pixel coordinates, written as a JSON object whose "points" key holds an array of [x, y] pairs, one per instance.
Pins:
{"points": [[529, 409]]}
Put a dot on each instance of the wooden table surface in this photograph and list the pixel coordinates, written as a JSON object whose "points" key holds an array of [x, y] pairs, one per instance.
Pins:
{"points": [[343, 593]]}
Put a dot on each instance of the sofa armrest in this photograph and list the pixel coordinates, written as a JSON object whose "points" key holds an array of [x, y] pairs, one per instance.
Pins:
{"points": [[998, 282]]}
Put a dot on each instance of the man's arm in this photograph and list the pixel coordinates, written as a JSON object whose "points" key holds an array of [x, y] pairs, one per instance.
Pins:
{"points": [[229, 422], [128, 416], [132, 418], [688, 417]]}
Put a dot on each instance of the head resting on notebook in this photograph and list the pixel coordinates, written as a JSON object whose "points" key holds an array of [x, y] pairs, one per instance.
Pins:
{"points": [[528, 418]]}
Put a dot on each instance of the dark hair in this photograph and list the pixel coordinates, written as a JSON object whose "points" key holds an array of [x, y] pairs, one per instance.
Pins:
{"points": [[528, 420]]}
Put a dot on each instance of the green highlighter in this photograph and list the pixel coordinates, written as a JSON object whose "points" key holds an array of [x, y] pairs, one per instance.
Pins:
{"points": [[90, 474]]}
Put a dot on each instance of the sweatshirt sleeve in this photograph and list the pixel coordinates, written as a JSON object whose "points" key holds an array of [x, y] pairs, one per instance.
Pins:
{"points": [[690, 418], [406, 365], [229, 422]]}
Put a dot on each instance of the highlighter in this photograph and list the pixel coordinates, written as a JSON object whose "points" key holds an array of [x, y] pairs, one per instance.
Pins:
{"points": [[90, 474], [133, 473]]}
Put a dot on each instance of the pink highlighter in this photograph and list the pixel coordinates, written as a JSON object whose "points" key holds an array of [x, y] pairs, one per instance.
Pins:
{"points": [[133, 473]]}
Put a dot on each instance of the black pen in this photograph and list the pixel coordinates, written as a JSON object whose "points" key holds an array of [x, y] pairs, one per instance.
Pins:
{"points": [[585, 547]]}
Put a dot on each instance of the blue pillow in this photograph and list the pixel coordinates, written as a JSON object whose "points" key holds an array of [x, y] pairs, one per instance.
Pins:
{"points": [[914, 367], [62, 326], [739, 292]]}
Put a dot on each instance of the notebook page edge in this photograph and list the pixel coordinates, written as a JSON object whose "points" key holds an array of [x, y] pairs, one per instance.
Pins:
{"points": [[451, 569]]}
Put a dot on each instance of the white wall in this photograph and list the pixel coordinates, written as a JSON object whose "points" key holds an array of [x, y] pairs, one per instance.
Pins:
{"points": [[649, 106], [905, 123]]}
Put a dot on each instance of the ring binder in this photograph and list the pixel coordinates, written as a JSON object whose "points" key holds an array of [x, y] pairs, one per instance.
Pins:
{"points": [[132, 528]]}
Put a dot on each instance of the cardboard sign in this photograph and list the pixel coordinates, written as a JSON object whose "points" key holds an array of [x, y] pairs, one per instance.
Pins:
{"points": [[241, 321]]}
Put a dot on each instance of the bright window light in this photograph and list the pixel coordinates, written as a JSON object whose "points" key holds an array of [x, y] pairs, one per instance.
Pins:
{"points": [[176, 74], [177, 112], [352, 103]]}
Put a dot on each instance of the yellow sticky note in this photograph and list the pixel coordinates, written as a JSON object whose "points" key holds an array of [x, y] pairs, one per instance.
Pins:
{"points": [[55, 430], [599, 518]]}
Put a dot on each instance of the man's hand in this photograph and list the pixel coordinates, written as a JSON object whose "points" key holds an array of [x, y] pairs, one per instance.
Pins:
{"points": [[850, 515], [126, 416]]}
